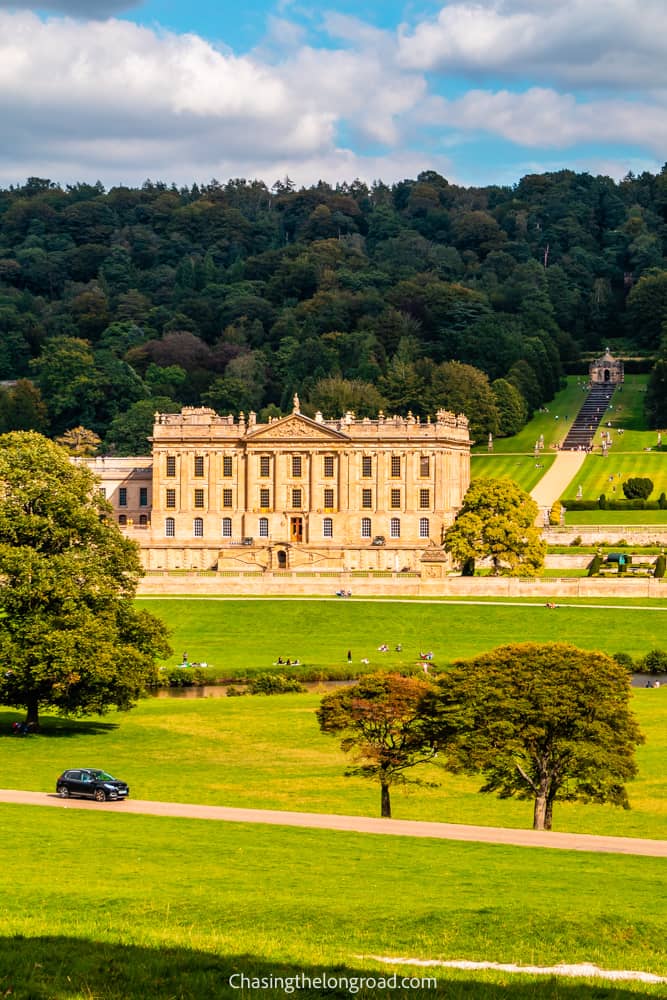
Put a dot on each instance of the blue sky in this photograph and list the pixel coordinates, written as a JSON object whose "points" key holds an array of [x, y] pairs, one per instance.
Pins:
{"points": [[483, 91]]}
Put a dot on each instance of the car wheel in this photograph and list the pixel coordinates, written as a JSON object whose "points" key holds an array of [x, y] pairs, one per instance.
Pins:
{"points": [[99, 795], [63, 792]]}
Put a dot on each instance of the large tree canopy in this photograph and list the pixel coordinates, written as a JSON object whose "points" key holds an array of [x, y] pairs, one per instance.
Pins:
{"points": [[70, 636], [380, 724], [542, 722], [497, 522]]}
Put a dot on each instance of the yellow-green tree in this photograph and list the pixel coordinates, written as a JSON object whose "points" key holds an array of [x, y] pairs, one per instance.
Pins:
{"points": [[497, 522]]}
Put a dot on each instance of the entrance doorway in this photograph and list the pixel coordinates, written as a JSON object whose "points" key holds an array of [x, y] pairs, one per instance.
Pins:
{"points": [[607, 375], [296, 529], [282, 559]]}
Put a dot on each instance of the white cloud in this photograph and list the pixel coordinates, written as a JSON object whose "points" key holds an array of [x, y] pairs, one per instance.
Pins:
{"points": [[545, 119], [115, 100], [584, 43]]}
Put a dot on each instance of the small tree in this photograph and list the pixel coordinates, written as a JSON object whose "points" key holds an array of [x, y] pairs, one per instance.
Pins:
{"points": [[497, 522], [79, 441], [638, 488], [379, 720], [71, 637], [542, 722]]}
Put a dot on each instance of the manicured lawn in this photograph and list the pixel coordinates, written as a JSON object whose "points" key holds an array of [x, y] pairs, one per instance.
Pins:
{"points": [[268, 752], [565, 405], [617, 518], [607, 475], [524, 470], [235, 635], [139, 908]]}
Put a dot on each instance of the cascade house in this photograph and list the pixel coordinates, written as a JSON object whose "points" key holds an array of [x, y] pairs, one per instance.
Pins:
{"points": [[221, 493]]}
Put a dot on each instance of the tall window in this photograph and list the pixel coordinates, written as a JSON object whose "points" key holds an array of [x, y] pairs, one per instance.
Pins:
{"points": [[328, 498], [143, 520], [327, 527], [264, 498], [143, 496], [122, 519], [365, 527], [396, 499], [171, 465], [170, 527], [395, 466], [296, 499], [199, 498], [328, 466], [366, 466], [424, 466], [263, 527], [226, 527], [226, 466], [395, 527], [198, 527], [171, 498], [264, 466], [424, 526], [226, 498], [367, 499], [296, 466], [199, 465], [122, 496], [424, 499]]}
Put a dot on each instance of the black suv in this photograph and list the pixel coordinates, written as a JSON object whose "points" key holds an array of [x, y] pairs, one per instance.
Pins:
{"points": [[91, 783]]}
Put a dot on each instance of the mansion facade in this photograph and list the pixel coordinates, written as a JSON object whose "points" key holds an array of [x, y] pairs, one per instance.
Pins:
{"points": [[220, 493]]}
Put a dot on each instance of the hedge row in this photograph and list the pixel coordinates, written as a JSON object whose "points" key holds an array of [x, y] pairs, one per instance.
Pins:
{"points": [[602, 503]]}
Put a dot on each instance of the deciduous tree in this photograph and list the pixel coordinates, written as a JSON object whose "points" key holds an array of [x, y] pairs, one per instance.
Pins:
{"points": [[497, 522], [380, 724], [543, 722], [71, 638]]}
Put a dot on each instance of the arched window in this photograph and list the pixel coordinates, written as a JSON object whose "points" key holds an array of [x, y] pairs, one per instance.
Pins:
{"points": [[170, 527], [226, 527], [198, 527], [365, 527], [424, 527], [327, 527], [263, 527], [122, 519], [395, 527]]}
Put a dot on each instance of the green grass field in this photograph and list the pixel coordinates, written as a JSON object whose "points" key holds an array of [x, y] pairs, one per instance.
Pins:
{"points": [[268, 752], [139, 908], [524, 470], [565, 406], [235, 636], [102, 905]]}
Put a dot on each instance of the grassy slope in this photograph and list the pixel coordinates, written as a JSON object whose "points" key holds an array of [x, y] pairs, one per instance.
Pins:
{"points": [[244, 634], [269, 753], [227, 897]]}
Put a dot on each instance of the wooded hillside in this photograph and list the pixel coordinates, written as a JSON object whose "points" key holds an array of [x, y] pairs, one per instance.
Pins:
{"points": [[116, 303]]}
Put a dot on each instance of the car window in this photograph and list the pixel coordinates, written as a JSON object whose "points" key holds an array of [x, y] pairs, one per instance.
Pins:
{"points": [[73, 775], [85, 776], [102, 776]]}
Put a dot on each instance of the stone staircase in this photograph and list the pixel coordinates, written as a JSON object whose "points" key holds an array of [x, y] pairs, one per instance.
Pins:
{"points": [[588, 419]]}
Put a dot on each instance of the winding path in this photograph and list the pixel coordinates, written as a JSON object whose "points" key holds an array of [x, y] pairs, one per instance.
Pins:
{"points": [[356, 824]]}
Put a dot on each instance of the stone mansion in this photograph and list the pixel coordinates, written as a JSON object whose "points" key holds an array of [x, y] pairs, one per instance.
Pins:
{"points": [[220, 493]]}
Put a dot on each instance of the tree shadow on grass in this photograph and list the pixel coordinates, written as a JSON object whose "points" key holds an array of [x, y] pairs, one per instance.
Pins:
{"points": [[58, 968], [51, 727]]}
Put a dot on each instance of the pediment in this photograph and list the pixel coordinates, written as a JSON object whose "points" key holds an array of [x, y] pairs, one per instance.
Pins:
{"points": [[296, 427]]}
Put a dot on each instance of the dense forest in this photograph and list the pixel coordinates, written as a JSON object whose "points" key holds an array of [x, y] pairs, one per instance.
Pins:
{"points": [[420, 295]]}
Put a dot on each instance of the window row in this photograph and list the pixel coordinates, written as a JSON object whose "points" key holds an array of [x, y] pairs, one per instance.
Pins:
{"points": [[122, 496], [327, 527], [296, 499], [297, 466], [143, 520]]}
